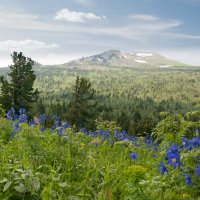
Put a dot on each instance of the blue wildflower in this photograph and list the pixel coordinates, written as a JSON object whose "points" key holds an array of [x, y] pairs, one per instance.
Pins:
{"points": [[83, 130], [22, 118], [41, 118], [65, 125], [195, 142], [92, 133], [103, 134], [16, 126], [31, 122], [12, 110], [155, 145], [43, 129], [133, 156], [172, 149], [172, 156], [122, 135], [197, 170], [10, 114], [162, 168], [22, 111], [148, 140], [189, 148], [185, 142], [55, 117], [188, 179], [59, 130], [56, 121]]}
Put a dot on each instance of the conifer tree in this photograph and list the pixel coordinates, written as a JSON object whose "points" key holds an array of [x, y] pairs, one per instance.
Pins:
{"points": [[18, 90], [81, 109]]}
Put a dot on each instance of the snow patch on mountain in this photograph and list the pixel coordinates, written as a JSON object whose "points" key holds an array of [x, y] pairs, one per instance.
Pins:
{"points": [[144, 54], [141, 61], [165, 66]]}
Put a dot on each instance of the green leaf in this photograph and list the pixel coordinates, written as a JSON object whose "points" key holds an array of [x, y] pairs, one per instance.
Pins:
{"points": [[64, 184], [36, 183], [3, 180], [20, 188], [7, 185], [20, 170], [23, 176]]}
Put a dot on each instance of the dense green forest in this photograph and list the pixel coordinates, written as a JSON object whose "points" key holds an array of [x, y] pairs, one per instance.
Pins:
{"points": [[133, 97]]}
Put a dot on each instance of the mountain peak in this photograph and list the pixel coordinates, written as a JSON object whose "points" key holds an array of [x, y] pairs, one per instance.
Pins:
{"points": [[119, 58]]}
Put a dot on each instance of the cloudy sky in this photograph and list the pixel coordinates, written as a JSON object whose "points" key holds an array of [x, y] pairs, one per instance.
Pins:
{"points": [[56, 31]]}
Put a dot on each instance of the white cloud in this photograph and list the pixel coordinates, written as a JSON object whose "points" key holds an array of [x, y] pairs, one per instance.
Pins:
{"points": [[160, 25], [183, 36], [31, 45], [141, 33], [143, 17], [139, 30], [73, 16], [10, 15]]}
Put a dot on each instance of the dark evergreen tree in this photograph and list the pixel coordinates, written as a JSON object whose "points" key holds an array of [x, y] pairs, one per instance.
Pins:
{"points": [[123, 121], [18, 91], [5, 98], [82, 107], [137, 117]]}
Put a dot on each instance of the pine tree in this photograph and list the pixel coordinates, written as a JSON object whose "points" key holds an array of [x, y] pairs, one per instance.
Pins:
{"points": [[82, 107], [18, 91]]}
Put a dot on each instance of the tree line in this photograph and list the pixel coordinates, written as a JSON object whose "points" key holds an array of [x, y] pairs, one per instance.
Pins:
{"points": [[133, 98]]}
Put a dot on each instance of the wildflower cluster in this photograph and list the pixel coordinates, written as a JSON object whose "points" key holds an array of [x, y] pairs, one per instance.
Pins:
{"points": [[149, 142], [172, 156], [163, 169], [122, 135], [190, 144], [137, 147], [133, 156], [21, 118]]}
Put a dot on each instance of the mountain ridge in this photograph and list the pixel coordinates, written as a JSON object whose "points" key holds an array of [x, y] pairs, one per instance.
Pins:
{"points": [[117, 58]]}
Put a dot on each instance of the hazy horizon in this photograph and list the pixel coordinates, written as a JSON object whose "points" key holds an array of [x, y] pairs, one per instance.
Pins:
{"points": [[78, 57]]}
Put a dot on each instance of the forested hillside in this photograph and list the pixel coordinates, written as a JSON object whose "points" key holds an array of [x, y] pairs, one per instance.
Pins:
{"points": [[133, 97]]}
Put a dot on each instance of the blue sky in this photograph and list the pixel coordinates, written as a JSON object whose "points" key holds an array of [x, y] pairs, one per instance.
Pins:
{"points": [[56, 31]]}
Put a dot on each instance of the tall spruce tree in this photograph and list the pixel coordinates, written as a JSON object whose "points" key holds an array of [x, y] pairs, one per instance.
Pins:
{"points": [[18, 91], [82, 107]]}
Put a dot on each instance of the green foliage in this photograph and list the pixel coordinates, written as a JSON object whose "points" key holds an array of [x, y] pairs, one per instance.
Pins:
{"points": [[19, 92], [173, 127], [111, 126], [81, 108], [2, 111], [6, 129], [193, 116]]}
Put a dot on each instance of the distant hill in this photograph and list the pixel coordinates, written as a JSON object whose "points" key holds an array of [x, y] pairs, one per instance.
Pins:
{"points": [[118, 58]]}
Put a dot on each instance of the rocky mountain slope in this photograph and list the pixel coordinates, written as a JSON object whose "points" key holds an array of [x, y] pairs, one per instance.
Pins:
{"points": [[124, 59]]}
